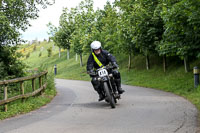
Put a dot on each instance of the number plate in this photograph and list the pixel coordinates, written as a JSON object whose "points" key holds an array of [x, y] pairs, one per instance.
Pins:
{"points": [[102, 73]]}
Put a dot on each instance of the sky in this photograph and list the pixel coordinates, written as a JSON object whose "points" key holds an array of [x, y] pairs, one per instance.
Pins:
{"points": [[38, 30]]}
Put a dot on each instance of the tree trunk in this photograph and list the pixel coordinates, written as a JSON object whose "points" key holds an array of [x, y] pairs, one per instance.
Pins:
{"points": [[59, 52], [81, 61], [129, 62], [67, 54], [164, 63], [76, 57], [186, 64], [147, 62]]}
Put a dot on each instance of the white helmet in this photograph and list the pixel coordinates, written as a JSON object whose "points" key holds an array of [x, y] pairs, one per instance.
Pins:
{"points": [[95, 45]]}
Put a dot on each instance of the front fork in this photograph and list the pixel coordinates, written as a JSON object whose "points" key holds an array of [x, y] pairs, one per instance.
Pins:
{"points": [[113, 88], [111, 85]]}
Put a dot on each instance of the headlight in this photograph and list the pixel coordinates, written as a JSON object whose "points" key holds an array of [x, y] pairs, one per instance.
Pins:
{"points": [[99, 79], [111, 75]]}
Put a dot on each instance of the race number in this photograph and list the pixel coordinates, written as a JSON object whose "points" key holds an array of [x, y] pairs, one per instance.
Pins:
{"points": [[102, 73]]}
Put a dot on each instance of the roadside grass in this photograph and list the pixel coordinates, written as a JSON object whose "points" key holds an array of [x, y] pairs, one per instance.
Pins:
{"points": [[32, 103], [174, 80], [29, 104]]}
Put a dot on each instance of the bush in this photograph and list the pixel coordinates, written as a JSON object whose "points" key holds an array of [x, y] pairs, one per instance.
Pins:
{"points": [[34, 48], [10, 66], [49, 50], [40, 54], [28, 55], [51, 89], [2, 73]]}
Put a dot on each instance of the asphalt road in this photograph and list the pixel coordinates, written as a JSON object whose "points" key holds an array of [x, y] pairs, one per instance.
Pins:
{"points": [[75, 110]]}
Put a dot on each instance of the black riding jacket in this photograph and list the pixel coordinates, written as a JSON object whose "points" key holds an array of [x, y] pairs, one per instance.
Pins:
{"points": [[104, 57]]}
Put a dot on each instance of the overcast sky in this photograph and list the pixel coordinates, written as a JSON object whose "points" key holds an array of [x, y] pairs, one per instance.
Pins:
{"points": [[51, 14]]}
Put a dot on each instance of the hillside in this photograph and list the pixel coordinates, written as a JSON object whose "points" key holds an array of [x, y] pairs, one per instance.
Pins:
{"points": [[175, 79]]}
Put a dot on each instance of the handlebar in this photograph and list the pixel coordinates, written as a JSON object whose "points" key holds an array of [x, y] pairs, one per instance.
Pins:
{"points": [[108, 67]]}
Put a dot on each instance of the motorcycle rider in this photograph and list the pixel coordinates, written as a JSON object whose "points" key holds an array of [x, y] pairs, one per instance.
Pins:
{"points": [[105, 58]]}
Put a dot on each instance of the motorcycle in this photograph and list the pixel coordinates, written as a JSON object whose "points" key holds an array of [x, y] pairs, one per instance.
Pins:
{"points": [[107, 85]]}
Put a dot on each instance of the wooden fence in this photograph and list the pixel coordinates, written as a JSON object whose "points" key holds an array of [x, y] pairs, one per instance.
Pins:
{"points": [[5, 83]]}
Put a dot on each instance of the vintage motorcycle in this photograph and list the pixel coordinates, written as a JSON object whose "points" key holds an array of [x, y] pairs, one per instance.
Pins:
{"points": [[107, 85]]}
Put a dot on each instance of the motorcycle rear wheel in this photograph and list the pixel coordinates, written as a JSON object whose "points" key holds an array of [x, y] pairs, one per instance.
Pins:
{"points": [[109, 96]]}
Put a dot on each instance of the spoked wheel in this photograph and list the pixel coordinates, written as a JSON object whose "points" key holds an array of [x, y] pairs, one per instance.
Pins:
{"points": [[109, 97]]}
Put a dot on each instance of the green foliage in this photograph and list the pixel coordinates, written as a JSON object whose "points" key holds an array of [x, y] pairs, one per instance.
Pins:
{"points": [[14, 17], [109, 29], [147, 27], [181, 36], [127, 27], [83, 23], [11, 67], [2, 74]]}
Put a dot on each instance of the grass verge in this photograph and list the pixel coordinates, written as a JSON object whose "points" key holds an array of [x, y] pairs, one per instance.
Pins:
{"points": [[32, 103]]}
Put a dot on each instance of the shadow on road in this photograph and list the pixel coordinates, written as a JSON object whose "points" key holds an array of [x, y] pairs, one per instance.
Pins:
{"points": [[93, 105]]}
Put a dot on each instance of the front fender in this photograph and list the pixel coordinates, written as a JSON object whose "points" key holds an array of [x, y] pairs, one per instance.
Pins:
{"points": [[104, 79]]}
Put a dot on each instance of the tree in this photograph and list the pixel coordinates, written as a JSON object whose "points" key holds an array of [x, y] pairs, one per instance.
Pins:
{"points": [[126, 28], [147, 27], [181, 37], [67, 27], [52, 33], [109, 23], [15, 16], [140, 27], [84, 18], [62, 35]]}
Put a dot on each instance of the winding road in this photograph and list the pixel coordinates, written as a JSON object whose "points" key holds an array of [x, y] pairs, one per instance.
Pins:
{"points": [[75, 110]]}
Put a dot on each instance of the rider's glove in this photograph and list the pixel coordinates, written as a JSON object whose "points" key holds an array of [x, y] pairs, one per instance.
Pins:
{"points": [[91, 72], [114, 64]]}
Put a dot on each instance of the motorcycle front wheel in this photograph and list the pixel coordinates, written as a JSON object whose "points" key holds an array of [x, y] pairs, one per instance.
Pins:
{"points": [[109, 96]]}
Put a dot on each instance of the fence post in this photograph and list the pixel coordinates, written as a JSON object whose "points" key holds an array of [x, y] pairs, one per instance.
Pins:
{"points": [[33, 84], [5, 85], [6, 97], [45, 79], [45, 76], [40, 83], [22, 89]]}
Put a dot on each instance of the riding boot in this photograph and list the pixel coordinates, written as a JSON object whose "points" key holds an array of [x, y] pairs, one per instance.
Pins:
{"points": [[97, 88], [114, 86], [118, 83]]}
